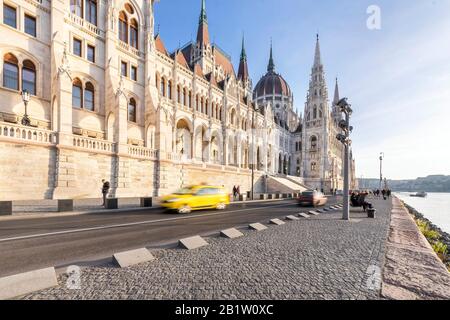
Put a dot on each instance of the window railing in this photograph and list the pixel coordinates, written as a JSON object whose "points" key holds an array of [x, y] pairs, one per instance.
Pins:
{"points": [[84, 24], [125, 46]]}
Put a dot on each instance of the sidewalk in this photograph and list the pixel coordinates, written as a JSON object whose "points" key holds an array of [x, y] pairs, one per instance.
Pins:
{"points": [[321, 257]]}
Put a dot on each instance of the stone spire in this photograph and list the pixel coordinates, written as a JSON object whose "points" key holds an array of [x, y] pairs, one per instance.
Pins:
{"points": [[336, 93], [271, 66], [203, 33], [243, 66], [317, 56]]}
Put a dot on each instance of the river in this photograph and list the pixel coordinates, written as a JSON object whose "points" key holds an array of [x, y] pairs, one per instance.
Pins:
{"points": [[435, 207]]}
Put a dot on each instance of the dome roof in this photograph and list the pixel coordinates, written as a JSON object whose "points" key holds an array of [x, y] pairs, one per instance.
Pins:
{"points": [[272, 84]]}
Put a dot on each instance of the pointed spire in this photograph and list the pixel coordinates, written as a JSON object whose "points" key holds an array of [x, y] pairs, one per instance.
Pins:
{"points": [[336, 93], [317, 57], [203, 17], [203, 33], [243, 53], [271, 66], [243, 66]]}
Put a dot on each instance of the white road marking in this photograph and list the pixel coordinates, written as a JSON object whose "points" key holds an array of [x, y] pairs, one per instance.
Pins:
{"points": [[133, 224]]}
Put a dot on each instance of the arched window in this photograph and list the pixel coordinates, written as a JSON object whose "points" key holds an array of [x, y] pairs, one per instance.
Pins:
{"points": [[313, 142], [313, 166], [29, 77], [206, 107], [123, 27], [220, 114], [315, 112], [169, 90], [10, 72], [197, 103], [163, 87], [129, 8], [132, 110], [185, 97], [178, 94], [77, 94], [202, 105], [89, 97], [190, 100], [134, 36]]}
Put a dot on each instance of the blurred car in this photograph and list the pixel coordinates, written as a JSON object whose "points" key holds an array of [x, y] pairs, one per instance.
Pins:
{"points": [[312, 198], [199, 197]]}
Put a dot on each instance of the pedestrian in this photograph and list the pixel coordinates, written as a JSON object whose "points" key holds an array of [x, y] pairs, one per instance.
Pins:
{"points": [[384, 194], [105, 190], [234, 192], [238, 191], [389, 193]]}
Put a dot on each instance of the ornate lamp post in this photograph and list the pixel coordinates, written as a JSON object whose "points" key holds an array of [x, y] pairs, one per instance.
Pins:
{"points": [[26, 98], [344, 138], [381, 169]]}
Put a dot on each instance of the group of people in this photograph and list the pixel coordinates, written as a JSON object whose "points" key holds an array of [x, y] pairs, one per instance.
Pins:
{"points": [[358, 199], [385, 193]]}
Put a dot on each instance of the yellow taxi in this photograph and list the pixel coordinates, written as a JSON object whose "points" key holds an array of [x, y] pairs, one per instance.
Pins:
{"points": [[197, 198]]}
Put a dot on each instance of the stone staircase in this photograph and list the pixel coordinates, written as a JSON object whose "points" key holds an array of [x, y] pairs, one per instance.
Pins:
{"points": [[282, 184]]}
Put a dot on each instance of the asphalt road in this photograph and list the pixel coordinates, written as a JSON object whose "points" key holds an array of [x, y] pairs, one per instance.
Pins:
{"points": [[29, 244]]}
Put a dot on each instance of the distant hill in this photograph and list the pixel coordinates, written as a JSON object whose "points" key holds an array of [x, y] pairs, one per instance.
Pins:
{"points": [[434, 183]]}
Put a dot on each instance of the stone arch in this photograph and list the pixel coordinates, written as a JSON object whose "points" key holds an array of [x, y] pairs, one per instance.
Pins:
{"points": [[183, 140]]}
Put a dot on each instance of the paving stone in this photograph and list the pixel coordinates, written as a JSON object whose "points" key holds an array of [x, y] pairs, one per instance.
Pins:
{"points": [[277, 222], [193, 243], [132, 257], [231, 233], [303, 215], [257, 226], [292, 218], [314, 213]]}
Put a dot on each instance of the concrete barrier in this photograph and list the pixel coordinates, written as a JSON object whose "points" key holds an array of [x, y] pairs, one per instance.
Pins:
{"points": [[277, 196], [257, 226], [65, 205], [6, 208], [24, 283], [303, 215], [263, 196], [192, 243], [232, 233], [146, 202], [292, 218], [314, 213], [112, 203], [132, 257], [277, 222], [242, 197]]}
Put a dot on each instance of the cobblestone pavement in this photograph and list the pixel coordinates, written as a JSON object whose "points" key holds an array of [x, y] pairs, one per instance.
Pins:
{"points": [[321, 257]]}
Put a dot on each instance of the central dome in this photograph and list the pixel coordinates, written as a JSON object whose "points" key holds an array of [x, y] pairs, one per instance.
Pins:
{"points": [[272, 84]]}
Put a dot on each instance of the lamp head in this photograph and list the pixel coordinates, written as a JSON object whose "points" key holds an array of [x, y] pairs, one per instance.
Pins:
{"points": [[25, 96]]}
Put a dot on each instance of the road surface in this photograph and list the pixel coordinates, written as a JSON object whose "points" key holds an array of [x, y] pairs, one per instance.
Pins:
{"points": [[29, 244]]}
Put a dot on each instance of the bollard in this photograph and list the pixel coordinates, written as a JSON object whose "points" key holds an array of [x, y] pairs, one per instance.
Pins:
{"points": [[270, 196], [65, 205], [146, 202], [263, 196], [371, 213], [242, 197], [112, 203], [5, 208]]}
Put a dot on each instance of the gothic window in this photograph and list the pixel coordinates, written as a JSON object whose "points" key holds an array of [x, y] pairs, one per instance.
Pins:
{"points": [[132, 110], [76, 7], [128, 26], [190, 100], [313, 166], [206, 107], [184, 97], [123, 27], [197, 103], [89, 97], [91, 11], [178, 94], [10, 72], [163, 87], [308, 117], [77, 93], [315, 112], [169, 90], [313, 143], [134, 33]]}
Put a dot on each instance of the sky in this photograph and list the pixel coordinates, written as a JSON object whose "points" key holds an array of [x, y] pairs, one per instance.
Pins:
{"points": [[397, 76]]}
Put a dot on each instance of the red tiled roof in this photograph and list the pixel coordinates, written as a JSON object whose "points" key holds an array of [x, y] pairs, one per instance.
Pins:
{"points": [[159, 44], [223, 61]]}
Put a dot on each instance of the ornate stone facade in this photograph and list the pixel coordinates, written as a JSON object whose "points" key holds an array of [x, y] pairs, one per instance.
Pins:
{"points": [[108, 101]]}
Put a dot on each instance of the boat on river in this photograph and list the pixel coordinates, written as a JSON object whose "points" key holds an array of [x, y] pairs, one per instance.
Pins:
{"points": [[419, 195]]}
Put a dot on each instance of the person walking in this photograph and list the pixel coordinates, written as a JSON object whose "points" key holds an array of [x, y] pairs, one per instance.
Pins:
{"points": [[238, 192], [105, 190], [384, 194], [234, 192]]}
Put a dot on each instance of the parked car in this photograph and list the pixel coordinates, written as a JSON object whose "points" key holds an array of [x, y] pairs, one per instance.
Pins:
{"points": [[199, 197], [312, 198]]}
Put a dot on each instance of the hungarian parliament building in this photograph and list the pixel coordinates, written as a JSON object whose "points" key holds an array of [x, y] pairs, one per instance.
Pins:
{"points": [[89, 91]]}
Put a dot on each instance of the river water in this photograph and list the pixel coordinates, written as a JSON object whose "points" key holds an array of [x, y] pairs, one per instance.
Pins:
{"points": [[435, 207]]}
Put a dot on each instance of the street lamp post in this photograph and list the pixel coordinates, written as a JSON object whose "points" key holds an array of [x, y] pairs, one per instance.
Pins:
{"points": [[381, 169], [26, 98], [253, 151], [345, 140]]}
